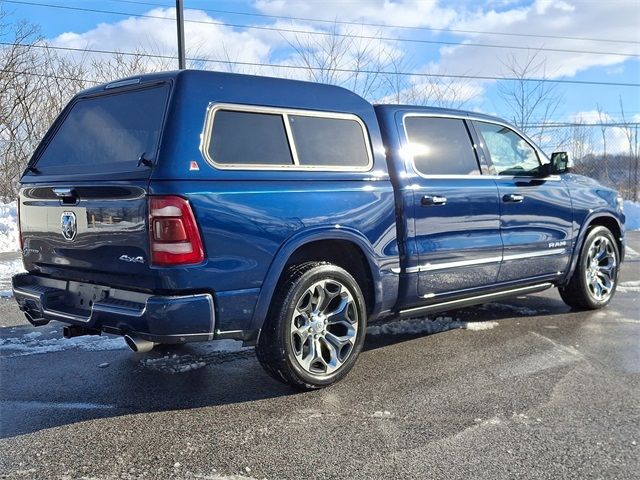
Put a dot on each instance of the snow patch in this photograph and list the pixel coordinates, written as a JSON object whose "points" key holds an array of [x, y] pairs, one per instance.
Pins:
{"points": [[59, 405], [415, 326], [382, 414], [223, 477], [173, 364], [33, 344], [505, 307], [9, 236], [8, 270], [629, 287], [631, 254], [216, 352], [632, 214], [480, 325], [427, 326]]}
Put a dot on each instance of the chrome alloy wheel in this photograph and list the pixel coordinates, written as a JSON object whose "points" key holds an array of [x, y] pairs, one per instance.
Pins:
{"points": [[601, 269], [324, 327]]}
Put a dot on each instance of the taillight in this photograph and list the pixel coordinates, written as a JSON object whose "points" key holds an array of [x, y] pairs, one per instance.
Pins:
{"points": [[175, 239]]}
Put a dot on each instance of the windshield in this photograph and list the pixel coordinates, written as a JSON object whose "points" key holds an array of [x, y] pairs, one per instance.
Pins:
{"points": [[108, 133]]}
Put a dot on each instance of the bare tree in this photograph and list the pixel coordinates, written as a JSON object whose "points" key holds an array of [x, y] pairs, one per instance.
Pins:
{"points": [[437, 92], [580, 144], [603, 120], [529, 102], [20, 84], [632, 141]]}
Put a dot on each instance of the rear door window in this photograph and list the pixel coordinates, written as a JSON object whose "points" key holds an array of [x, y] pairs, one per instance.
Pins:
{"points": [[440, 146], [107, 133]]}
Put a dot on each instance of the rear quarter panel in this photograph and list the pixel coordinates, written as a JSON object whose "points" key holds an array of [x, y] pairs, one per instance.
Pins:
{"points": [[246, 224]]}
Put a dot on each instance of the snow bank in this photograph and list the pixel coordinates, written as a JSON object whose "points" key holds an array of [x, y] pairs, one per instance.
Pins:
{"points": [[8, 270], [632, 212], [9, 240]]}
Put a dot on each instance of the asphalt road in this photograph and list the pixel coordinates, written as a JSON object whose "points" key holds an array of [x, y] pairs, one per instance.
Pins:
{"points": [[528, 389]]}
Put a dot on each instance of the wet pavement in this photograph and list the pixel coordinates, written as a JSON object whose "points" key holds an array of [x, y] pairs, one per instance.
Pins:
{"points": [[520, 388]]}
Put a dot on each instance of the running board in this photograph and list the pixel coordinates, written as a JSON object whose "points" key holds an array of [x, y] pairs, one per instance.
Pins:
{"points": [[469, 301]]}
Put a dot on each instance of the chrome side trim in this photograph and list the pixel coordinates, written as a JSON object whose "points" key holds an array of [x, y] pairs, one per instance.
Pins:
{"points": [[205, 138], [474, 300], [430, 267], [543, 253], [230, 334], [462, 263]]}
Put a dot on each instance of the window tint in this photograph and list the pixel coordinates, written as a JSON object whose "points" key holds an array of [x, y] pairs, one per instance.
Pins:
{"points": [[107, 133], [441, 146], [241, 138], [332, 142], [510, 153]]}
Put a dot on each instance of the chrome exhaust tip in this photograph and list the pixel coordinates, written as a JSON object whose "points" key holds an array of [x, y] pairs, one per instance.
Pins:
{"points": [[138, 345]]}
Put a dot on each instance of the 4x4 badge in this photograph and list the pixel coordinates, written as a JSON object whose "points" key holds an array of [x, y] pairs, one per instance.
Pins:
{"points": [[69, 225]]}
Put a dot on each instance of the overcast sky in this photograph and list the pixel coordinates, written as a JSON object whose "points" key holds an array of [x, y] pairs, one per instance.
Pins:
{"points": [[616, 21]]}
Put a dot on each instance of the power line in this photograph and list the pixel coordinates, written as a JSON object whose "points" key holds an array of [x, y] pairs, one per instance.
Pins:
{"points": [[339, 70], [577, 124], [328, 34], [48, 75], [382, 25]]}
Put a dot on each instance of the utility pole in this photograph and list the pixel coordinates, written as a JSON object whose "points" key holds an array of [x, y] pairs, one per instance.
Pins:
{"points": [[180, 20]]}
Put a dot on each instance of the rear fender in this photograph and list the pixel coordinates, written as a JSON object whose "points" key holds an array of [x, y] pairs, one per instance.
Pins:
{"points": [[290, 246]]}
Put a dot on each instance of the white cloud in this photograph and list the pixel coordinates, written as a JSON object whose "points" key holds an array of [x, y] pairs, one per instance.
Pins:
{"points": [[410, 13], [158, 36], [550, 18], [540, 17]]}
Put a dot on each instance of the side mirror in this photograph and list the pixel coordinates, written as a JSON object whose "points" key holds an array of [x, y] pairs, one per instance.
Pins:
{"points": [[559, 163]]}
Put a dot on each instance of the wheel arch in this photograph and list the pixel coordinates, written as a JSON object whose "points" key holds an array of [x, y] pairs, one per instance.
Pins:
{"points": [[345, 247], [604, 219]]}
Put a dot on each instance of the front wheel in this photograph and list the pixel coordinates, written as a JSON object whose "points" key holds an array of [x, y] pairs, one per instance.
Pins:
{"points": [[315, 328], [596, 275]]}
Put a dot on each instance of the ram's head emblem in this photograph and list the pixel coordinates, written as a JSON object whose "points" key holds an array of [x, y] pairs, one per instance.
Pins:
{"points": [[69, 225]]}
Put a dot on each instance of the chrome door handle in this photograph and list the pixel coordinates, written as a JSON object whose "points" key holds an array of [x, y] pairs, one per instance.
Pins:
{"points": [[429, 200], [513, 198]]}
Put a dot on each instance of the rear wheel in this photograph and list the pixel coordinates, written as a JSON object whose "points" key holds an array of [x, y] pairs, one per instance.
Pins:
{"points": [[596, 275], [316, 326]]}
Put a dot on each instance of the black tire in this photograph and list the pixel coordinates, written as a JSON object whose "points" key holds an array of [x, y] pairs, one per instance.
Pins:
{"points": [[277, 341], [578, 293]]}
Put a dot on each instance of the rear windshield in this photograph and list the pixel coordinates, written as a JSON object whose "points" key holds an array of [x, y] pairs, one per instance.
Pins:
{"points": [[108, 133]]}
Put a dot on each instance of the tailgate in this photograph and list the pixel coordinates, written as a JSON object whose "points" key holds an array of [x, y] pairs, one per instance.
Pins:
{"points": [[86, 231]]}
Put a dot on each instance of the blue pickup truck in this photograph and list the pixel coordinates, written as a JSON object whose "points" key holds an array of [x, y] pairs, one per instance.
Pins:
{"points": [[193, 206]]}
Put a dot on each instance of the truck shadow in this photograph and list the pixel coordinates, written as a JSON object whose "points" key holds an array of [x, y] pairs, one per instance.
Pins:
{"points": [[75, 385]]}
